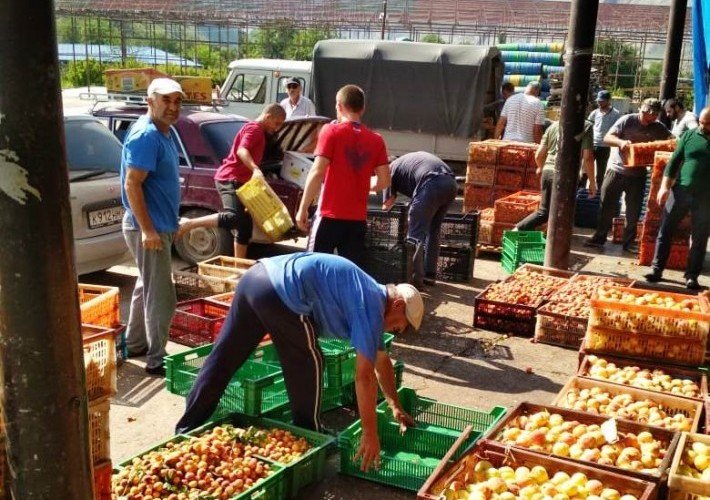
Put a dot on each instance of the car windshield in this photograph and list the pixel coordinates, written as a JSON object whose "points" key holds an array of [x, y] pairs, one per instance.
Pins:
{"points": [[220, 135], [91, 146]]}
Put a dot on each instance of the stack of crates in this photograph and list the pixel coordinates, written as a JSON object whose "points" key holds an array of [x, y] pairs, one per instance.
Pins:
{"points": [[457, 251], [497, 169], [680, 245], [258, 387], [99, 307], [522, 247], [387, 258]]}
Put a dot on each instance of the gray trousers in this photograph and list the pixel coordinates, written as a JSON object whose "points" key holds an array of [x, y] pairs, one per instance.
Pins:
{"points": [[153, 301]]}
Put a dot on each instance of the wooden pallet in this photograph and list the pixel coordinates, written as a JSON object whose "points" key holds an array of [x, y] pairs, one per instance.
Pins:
{"points": [[483, 248]]}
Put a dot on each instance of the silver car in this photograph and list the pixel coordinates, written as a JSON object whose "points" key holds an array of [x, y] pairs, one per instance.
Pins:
{"points": [[94, 162]]}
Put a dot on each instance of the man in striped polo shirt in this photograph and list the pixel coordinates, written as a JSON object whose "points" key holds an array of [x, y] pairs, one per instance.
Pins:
{"points": [[523, 116]]}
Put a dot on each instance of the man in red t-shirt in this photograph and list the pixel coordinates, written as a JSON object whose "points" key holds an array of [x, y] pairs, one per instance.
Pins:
{"points": [[240, 165], [348, 154]]}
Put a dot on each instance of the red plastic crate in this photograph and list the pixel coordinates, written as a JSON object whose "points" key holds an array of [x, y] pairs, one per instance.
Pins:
{"points": [[102, 480], [477, 197], [514, 208], [677, 260], [197, 322], [512, 177]]}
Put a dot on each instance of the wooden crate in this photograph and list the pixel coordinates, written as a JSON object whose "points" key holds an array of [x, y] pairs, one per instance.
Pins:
{"points": [[667, 437], [190, 285], [688, 407], [224, 266], [696, 376], [684, 487], [499, 456]]}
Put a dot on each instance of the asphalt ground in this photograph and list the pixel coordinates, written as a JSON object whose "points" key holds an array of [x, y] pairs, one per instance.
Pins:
{"points": [[448, 360]]}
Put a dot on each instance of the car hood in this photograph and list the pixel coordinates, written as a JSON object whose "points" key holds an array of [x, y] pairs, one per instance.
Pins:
{"points": [[300, 134]]}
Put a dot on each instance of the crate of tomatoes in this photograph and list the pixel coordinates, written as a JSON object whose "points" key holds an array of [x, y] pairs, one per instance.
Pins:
{"points": [[642, 154], [510, 306]]}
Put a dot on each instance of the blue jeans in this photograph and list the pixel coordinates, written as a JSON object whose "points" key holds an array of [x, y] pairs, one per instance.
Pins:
{"points": [[153, 300], [429, 206], [680, 202]]}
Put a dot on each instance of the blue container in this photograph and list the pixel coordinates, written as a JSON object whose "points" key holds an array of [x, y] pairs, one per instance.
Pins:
{"points": [[521, 80], [532, 47], [523, 68], [547, 69]]}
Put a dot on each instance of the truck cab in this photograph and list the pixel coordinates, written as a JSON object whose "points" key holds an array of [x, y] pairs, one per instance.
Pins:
{"points": [[254, 83]]}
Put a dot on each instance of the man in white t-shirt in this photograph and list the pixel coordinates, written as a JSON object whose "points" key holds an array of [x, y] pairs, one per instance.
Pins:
{"points": [[681, 119], [296, 105], [523, 116]]}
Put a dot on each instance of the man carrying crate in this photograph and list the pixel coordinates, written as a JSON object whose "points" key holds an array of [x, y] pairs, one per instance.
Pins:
{"points": [[296, 298], [431, 185], [348, 154]]}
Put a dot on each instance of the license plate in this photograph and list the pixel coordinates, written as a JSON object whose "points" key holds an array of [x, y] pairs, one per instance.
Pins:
{"points": [[105, 217]]}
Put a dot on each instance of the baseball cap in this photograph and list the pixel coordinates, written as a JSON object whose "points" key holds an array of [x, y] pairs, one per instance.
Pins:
{"points": [[651, 105], [414, 305], [293, 81], [164, 86], [603, 95]]}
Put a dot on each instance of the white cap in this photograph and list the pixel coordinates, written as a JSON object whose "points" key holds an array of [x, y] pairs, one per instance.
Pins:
{"points": [[164, 86], [414, 305]]}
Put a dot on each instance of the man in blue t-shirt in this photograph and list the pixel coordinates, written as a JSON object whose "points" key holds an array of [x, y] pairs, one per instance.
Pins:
{"points": [[296, 298], [150, 190]]}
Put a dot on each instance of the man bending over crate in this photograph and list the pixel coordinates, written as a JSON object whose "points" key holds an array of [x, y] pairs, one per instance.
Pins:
{"points": [[296, 298], [431, 185], [348, 154]]}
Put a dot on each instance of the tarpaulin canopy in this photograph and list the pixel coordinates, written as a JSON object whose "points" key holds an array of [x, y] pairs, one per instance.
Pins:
{"points": [[701, 50], [421, 87]]}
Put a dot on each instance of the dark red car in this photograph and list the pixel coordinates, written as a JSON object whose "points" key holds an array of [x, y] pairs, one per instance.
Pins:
{"points": [[203, 139]]}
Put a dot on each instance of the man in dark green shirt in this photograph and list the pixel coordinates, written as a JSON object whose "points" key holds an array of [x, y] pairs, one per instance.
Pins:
{"points": [[686, 182]]}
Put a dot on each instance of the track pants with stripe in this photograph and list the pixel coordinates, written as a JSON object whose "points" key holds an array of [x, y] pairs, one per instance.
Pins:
{"points": [[256, 310]]}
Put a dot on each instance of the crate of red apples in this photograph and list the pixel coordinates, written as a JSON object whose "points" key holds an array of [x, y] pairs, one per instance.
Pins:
{"points": [[509, 306], [563, 319]]}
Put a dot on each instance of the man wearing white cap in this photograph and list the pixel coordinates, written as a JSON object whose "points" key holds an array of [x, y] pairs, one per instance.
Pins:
{"points": [[296, 298], [150, 190]]}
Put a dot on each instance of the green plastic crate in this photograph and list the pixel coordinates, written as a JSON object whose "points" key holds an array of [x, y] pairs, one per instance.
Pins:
{"points": [[408, 460], [272, 487], [310, 468], [520, 247], [256, 388]]}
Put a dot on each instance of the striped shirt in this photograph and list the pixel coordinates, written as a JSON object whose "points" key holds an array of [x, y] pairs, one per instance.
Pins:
{"points": [[522, 112]]}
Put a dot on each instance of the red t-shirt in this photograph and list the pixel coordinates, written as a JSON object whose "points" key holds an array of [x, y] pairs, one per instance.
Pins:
{"points": [[354, 152], [252, 137]]}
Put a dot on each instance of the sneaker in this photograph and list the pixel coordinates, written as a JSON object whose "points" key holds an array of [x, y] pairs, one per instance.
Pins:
{"points": [[591, 242], [653, 277], [692, 284], [158, 371]]}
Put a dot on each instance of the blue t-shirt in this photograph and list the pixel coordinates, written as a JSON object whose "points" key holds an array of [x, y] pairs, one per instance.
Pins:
{"points": [[147, 148], [342, 299]]}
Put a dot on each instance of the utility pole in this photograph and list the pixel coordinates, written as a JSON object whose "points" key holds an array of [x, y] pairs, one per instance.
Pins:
{"points": [[578, 65], [384, 19], [43, 395], [674, 47]]}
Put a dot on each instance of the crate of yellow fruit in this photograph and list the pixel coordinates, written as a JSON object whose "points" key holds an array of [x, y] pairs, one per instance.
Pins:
{"points": [[266, 208], [515, 473], [689, 477], [648, 324]]}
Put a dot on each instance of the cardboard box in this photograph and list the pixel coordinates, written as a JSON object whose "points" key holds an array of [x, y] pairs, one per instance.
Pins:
{"points": [[130, 80], [198, 89]]}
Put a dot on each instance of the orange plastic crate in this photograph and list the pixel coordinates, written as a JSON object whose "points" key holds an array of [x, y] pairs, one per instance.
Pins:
{"points": [[99, 432], [514, 208], [102, 480], [481, 174], [99, 361], [100, 305], [477, 197], [643, 153]]}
